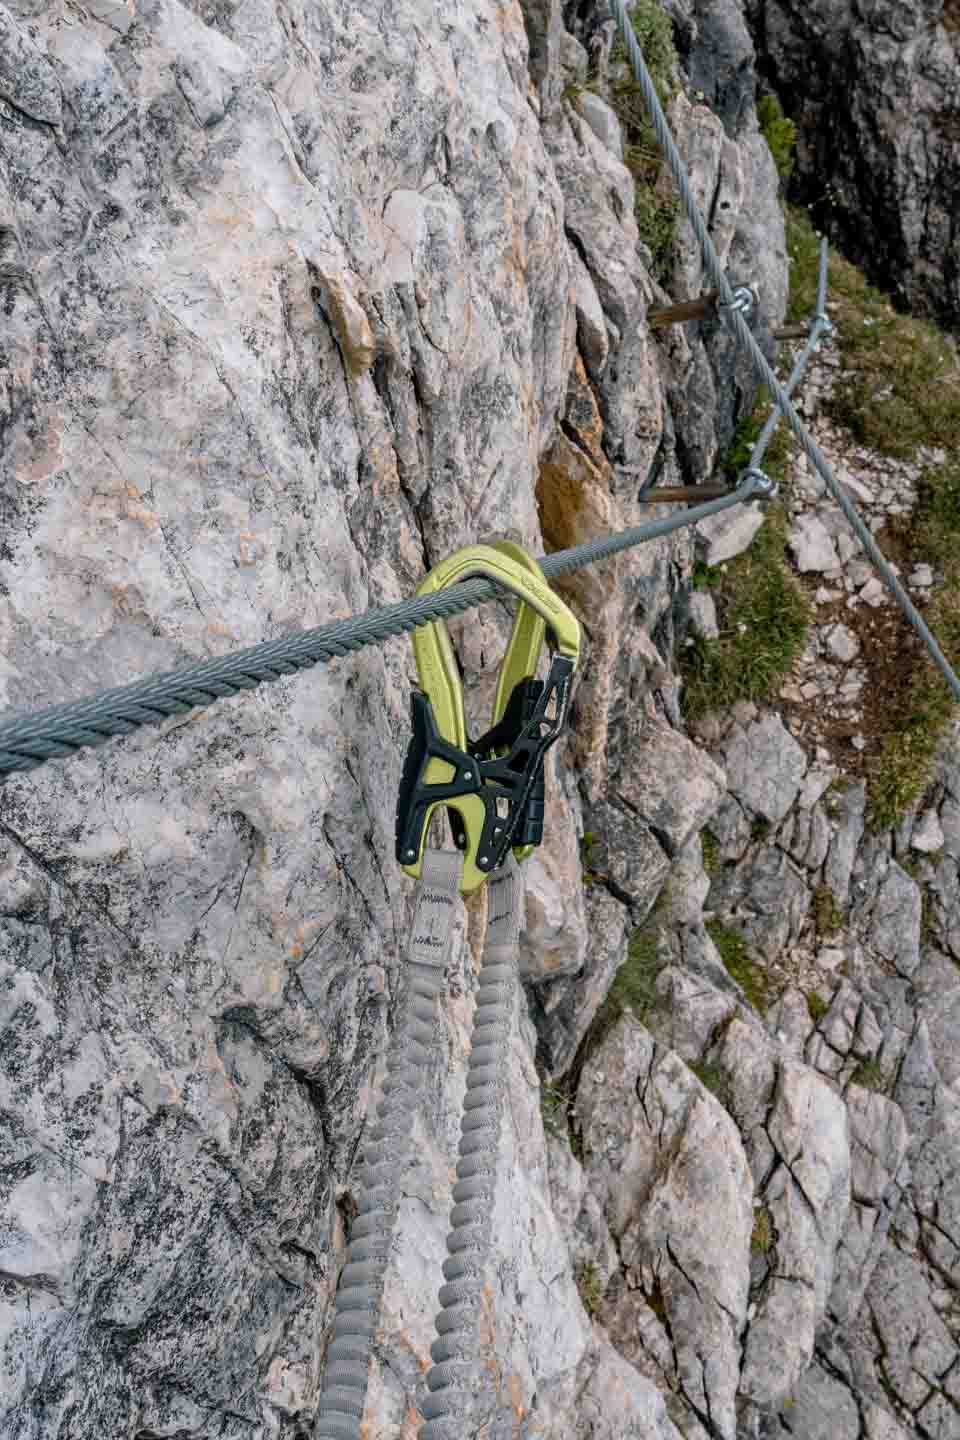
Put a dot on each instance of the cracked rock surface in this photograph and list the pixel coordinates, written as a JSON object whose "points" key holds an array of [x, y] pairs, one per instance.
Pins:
{"points": [[299, 298]]}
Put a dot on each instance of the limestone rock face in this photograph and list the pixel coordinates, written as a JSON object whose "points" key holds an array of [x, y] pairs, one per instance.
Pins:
{"points": [[297, 299], [874, 88]]}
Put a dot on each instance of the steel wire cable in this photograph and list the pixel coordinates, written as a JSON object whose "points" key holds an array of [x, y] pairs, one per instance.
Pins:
{"points": [[746, 339], [29, 741]]}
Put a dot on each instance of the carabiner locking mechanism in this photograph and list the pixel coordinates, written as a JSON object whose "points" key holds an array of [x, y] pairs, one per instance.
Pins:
{"points": [[493, 787]]}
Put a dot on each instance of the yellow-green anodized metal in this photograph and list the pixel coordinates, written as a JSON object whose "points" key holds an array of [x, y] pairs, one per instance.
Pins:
{"points": [[510, 566]]}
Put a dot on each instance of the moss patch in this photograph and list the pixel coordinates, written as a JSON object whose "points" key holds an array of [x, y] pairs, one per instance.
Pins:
{"points": [[554, 1111], [656, 206], [710, 848], [780, 450], [712, 1078], [761, 1239], [748, 974], [779, 133], [762, 614], [816, 1006], [634, 986], [590, 1287], [827, 915], [870, 1075]]}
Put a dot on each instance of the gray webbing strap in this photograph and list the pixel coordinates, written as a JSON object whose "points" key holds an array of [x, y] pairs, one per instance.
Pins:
{"points": [[436, 905]]}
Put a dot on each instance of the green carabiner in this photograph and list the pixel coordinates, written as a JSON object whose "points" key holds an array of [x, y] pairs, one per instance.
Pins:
{"points": [[486, 798]]}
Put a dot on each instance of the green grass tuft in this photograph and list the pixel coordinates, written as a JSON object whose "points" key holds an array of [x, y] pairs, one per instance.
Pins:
{"points": [[748, 975], [763, 616], [906, 764], [817, 1006], [761, 1239], [779, 133], [554, 1111], [899, 386], [656, 206], [710, 848], [870, 1075], [712, 1078], [634, 987]]}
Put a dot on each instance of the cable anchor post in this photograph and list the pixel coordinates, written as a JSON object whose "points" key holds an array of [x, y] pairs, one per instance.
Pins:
{"points": [[746, 298], [765, 487], [492, 787]]}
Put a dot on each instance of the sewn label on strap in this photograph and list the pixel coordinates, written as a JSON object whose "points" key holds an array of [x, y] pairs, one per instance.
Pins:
{"points": [[437, 898]]}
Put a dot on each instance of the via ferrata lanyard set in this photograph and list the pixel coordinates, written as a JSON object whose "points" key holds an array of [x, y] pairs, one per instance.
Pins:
{"points": [[493, 791]]}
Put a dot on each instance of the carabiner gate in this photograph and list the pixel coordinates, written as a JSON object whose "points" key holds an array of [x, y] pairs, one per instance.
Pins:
{"points": [[493, 787]]}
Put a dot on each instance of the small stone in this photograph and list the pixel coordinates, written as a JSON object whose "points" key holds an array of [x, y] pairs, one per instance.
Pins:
{"points": [[812, 546], [928, 835], [873, 592], [922, 575], [858, 742], [857, 489], [859, 571], [841, 642], [823, 596], [830, 958], [731, 532]]}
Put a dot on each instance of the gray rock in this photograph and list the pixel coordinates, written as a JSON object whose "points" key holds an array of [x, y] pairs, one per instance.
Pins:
{"points": [[937, 982], [670, 783], [872, 64], [573, 56], [27, 78], [799, 1152], [895, 922], [720, 64], [935, 1171], [816, 782], [703, 614], [943, 893], [823, 1408], [591, 326], [847, 812], [927, 835], [841, 643], [543, 22], [949, 817], [860, 572], [811, 544], [874, 593], [731, 828], [765, 767], [821, 836], [917, 1348], [650, 1164], [602, 121], [565, 1009], [608, 1396], [769, 897], [731, 532]]}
